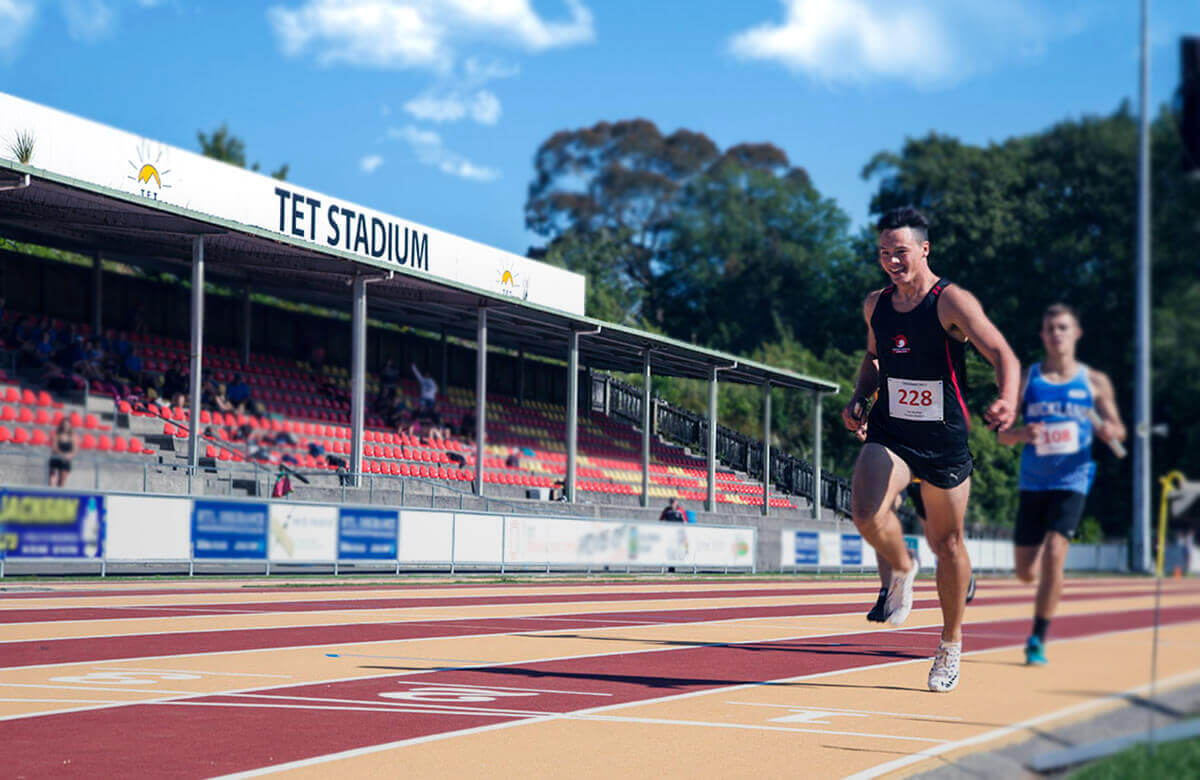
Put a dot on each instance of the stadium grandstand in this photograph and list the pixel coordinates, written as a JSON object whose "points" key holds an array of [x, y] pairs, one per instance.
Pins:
{"points": [[219, 279]]}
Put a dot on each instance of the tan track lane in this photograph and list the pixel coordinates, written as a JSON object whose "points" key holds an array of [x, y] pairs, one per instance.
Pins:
{"points": [[208, 673], [823, 726]]}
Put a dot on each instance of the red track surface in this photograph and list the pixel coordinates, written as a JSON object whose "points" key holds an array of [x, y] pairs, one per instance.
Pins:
{"points": [[203, 736]]}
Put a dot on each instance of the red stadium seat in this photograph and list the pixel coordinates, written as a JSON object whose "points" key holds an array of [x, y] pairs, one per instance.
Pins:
{"points": [[20, 436], [5, 434], [25, 415], [168, 429], [28, 398], [119, 444], [87, 442], [91, 422], [39, 438], [12, 395], [135, 445], [124, 407], [104, 443], [44, 399], [8, 414]]}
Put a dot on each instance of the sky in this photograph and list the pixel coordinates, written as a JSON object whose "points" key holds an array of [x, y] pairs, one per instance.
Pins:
{"points": [[432, 110]]}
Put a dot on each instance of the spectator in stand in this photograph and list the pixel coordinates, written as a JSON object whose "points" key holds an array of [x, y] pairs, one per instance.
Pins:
{"points": [[673, 512], [214, 398], [65, 444], [238, 394], [45, 349], [132, 368], [389, 376], [175, 380], [513, 461], [429, 390]]}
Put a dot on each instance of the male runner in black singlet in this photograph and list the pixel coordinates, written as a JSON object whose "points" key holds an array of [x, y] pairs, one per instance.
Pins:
{"points": [[917, 329]]}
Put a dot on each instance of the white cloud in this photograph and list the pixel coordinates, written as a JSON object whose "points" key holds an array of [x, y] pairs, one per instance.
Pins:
{"points": [[483, 107], [429, 150], [927, 43], [88, 20], [418, 33], [16, 17], [370, 163]]}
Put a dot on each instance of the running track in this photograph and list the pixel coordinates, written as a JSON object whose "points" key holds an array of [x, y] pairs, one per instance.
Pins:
{"points": [[669, 677]]}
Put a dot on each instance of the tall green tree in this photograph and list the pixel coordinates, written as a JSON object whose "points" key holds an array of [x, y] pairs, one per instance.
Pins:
{"points": [[225, 146]]}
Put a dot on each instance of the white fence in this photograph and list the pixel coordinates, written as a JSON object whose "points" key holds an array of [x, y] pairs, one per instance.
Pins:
{"points": [[42, 530], [831, 551]]}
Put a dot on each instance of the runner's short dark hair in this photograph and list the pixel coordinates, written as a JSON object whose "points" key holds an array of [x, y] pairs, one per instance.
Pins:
{"points": [[1055, 309], [904, 217]]}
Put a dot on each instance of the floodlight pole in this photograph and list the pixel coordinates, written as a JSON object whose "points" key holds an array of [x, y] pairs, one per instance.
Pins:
{"points": [[480, 395], [766, 449], [646, 428], [196, 350], [1142, 421], [816, 501], [358, 370]]}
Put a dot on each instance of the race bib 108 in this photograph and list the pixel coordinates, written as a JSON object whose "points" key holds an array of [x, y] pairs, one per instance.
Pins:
{"points": [[915, 399], [1058, 438]]}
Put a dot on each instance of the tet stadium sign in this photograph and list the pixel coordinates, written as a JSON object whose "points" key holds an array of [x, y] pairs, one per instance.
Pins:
{"points": [[97, 154]]}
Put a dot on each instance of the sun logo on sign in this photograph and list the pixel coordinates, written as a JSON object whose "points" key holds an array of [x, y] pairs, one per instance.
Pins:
{"points": [[512, 282], [148, 173]]}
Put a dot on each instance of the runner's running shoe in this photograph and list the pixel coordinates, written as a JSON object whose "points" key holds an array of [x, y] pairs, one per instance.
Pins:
{"points": [[900, 595], [1035, 652], [943, 676], [878, 613], [971, 590]]}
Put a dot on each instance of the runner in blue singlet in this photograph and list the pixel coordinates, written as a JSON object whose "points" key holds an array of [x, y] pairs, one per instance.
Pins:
{"points": [[1058, 398]]}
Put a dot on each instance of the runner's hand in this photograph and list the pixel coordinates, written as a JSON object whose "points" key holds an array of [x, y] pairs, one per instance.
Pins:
{"points": [[854, 417], [1000, 415], [1029, 434]]}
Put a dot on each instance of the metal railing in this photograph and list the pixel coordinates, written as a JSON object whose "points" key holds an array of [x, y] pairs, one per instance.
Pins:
{"points": [[789, 474]]}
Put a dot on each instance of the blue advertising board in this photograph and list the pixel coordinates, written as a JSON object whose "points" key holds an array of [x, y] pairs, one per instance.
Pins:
{"points": [[367, 534], [913, 544], [808, 552], [51, 525], [852, 550], [228, 529]]}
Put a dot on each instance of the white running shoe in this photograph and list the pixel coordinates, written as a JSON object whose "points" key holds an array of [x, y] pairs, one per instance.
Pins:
{"points": [[943, 677], [900, 595]]}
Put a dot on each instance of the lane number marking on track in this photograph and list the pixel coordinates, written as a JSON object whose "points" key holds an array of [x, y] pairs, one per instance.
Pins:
{"points": [[124, 678], [459, 695]]}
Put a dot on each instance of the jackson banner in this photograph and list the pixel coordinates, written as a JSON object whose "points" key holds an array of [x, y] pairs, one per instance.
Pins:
{"points": [[51, 525]]}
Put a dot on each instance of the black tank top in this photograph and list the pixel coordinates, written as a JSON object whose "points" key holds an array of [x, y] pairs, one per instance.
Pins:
{"points": [[920, 410]]}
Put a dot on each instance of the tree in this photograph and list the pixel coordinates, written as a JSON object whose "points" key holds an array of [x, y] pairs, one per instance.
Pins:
{"points": [[226, 147]]}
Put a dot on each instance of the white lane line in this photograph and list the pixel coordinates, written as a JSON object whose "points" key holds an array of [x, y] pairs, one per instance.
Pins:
{"points": [[198, 671], [743, 726], [315, 760], [823, 708], [994, 734], [470, 687]]}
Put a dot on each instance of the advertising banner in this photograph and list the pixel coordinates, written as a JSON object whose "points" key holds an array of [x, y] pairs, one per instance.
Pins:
{"points": [[367, 534], [599, 543], [147, 528], [303, 532], [852, 550], [51, 525], [830, 549], [228, 529], [806, 549]]}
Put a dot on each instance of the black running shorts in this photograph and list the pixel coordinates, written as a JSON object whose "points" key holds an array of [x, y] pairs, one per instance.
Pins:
{"points": [[1042, 511]]}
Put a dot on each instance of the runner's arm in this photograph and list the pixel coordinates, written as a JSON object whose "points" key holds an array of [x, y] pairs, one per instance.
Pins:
{"points": [[1112, 429], [854, 415], [959, 308]]}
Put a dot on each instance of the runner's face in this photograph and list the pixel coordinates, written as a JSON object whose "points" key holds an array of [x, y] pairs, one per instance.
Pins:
{"points": [[1060, 333], [901, 255]]}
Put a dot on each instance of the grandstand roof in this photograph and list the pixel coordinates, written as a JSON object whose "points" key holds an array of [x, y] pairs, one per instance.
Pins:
{"points": [[67, 213]]}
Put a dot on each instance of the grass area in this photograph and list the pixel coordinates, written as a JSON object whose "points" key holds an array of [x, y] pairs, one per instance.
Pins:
{"points": [[1170, 760]]}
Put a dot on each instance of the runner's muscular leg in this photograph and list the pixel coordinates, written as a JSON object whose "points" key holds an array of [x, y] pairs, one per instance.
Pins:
{"points": [[879, 476], [1026, 559], [1054, 556], [944, 512]]}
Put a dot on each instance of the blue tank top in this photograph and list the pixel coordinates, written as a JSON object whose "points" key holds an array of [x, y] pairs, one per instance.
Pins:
{"points": [[1062, 458]]}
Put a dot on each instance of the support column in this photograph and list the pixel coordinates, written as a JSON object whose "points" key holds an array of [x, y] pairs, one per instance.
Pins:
{"points": [[1142, 466], [358, 376], [480, 396], [816, 508], [245, 326], [196, 349], [646, 428], [521, 377], [766, 449], [572, 412], [97, 294], [710, 500]]}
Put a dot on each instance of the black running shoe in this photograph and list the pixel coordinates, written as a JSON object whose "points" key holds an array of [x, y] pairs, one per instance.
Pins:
{"points": [[878, 613], [971, 590]]}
